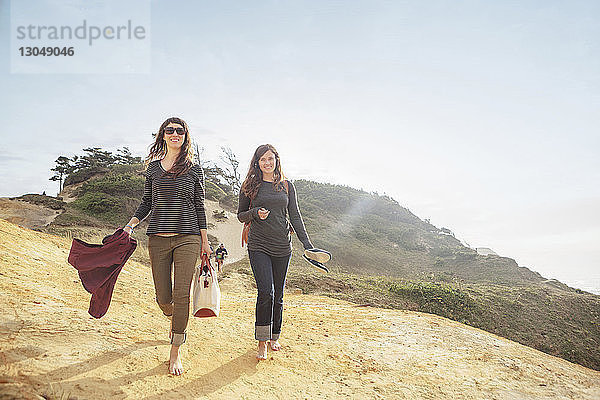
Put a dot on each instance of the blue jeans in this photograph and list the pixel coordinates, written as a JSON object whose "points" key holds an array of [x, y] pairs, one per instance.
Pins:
{"points": [[269, 273]]}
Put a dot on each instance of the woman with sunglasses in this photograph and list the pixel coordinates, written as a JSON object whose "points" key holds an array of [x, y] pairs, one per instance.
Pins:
{"points": [[174, 199], [265, 200]]}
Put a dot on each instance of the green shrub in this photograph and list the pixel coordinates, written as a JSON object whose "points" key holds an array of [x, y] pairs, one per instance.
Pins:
{"points": [[136, 169], [229, 202], [130, 185], [46, 201], [72, 217], [436, 298], [101, 205], [213, 192], [83, 175]]}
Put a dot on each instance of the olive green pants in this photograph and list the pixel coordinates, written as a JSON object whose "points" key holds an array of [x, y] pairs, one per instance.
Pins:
{"points": [[174, 256]]}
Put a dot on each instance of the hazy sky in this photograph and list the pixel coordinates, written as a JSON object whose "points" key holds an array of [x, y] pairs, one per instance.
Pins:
{"points": [[482, 116]]}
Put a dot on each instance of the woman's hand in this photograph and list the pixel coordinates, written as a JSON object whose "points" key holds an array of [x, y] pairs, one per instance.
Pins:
{"points": [[263, 213], [133, 222], [205, 248]]}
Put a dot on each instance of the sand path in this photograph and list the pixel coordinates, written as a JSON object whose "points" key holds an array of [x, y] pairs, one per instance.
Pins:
{"points": [[229, 231], [26, 214], [332, 349]]}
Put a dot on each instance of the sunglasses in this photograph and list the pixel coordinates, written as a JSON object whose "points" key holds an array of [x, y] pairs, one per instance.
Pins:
{"points": [[169, 130]]}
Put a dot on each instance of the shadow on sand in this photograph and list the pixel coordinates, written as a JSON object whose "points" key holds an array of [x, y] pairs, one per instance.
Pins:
{"points": [[214, 380], [58, 376], [19, 354], [245, 364]]}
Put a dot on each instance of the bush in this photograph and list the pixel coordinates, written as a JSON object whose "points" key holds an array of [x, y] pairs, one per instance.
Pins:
{"points": [[135, 169], [436, 298], [364, 234], [83, 175], [74, 218], [229, 202], [220, 215], [47, 201], [213, 192], [128, 184], [101, 205]]}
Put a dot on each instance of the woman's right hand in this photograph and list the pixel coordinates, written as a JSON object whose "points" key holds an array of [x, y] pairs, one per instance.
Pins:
{"points": [[263, 213], [133, 222]]}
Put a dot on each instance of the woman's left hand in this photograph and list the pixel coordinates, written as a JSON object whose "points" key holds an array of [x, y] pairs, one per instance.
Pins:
{"points": [[205, 249]]}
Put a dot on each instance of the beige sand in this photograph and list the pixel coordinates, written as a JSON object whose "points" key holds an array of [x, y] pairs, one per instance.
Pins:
{"points": [[331, 349], [26, 214], [229, 231]]}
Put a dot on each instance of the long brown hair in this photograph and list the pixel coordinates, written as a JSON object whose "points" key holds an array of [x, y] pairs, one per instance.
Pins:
{"points": [[158, 150], [255, 176]]}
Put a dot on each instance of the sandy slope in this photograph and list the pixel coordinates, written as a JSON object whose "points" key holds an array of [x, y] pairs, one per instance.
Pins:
{"points": [[229, 231], [332, 349], [26, 214]]}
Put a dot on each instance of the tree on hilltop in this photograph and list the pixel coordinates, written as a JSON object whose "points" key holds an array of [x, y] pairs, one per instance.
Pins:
{"points": [[96, 158], [198, 153], [124, 157], [231, 173], [61, 170]]}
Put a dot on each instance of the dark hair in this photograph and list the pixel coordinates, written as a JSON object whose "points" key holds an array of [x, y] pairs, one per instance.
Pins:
{"points": [[255, 176], [158, 150]]}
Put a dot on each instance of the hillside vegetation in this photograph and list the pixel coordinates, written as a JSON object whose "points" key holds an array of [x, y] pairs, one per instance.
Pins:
{"points": [[371, 234]]}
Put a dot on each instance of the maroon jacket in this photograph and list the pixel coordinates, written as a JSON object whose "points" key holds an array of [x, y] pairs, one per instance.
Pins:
{"points": [[99, 266]]}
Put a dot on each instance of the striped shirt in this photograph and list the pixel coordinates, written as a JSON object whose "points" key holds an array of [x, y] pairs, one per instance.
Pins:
{"points": [[175, 205]]}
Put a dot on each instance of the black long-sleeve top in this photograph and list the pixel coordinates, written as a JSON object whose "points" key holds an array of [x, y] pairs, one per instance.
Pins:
{"points": [[175, 205], [272, 235]]}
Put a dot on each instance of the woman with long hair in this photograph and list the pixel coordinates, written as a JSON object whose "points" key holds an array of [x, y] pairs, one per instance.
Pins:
{"points": [[174, 199], [266, 199]]}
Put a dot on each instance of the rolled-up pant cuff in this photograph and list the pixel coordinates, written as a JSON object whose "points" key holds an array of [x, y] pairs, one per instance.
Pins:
{"points": [[275, 336], [177, 339], [262, 332]]}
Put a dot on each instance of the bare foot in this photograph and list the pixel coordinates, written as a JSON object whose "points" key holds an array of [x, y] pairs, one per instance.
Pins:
{"points": [[274, 345], [175, 367], [262, 350]]}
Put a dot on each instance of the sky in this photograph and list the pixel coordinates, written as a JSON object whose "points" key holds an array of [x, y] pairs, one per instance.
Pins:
{"points": [[480, 116]]}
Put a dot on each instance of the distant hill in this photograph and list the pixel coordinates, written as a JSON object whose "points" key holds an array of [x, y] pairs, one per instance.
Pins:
{"points": [[372, 234]]}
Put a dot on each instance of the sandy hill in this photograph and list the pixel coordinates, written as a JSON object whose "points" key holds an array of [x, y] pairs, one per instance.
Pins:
{"points": [[26, 214], [51, 347]]}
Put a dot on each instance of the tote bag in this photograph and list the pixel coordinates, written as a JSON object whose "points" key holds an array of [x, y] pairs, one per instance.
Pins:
{"points": [[207, 296]]}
